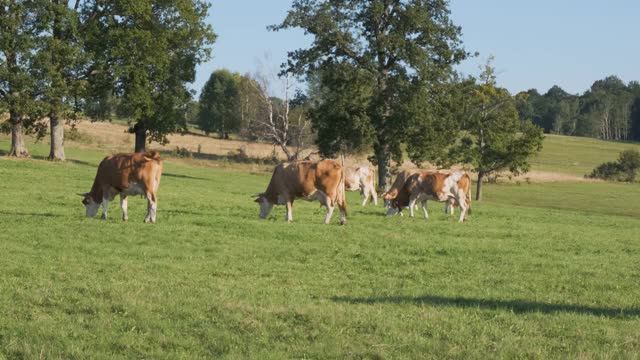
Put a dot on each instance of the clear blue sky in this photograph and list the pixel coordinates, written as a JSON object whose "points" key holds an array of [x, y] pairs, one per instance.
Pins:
{"points": [[536, 44]]}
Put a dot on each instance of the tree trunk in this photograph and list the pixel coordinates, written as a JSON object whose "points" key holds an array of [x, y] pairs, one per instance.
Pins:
{"points": [[141, 136], [384, 176], [18, 147], [57, 138], [479, 186]]}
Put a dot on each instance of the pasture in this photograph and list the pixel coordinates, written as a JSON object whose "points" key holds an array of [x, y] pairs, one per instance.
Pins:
{"points": [[539, 271]]}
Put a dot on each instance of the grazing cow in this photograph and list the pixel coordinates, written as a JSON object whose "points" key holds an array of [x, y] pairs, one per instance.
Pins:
{"points": [[309, 180], [451, 188], [398, 184], [125, 174], [363, 179]]}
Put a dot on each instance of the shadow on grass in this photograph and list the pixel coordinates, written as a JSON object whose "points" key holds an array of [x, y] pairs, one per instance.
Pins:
{"points": [[7, 213], [517, 306], [180, 176], [73, 161], [184, 212]]}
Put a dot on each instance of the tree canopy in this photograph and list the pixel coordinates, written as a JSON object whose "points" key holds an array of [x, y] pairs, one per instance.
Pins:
{"points": [[146, 51], [494, 138], [403, 46], [220, 104]]}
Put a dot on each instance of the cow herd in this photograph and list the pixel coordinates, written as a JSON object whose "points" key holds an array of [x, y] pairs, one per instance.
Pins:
{"points": [[323, 180]]}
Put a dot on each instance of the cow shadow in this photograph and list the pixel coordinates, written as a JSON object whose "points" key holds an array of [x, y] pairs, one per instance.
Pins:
{"points": [[516, 306], [7, 213]]}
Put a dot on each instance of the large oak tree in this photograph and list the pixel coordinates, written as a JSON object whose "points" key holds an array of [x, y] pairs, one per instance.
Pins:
{"points": [[404, 46], [145, 52]]}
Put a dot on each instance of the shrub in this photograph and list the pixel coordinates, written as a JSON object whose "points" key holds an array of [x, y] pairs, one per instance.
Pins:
{"points": [[182, 152], [625, 169], [629, 162]]}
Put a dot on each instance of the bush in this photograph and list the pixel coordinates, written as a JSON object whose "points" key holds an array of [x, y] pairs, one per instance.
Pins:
{"points": [[629, 162], [625, 169], [182, 152]]}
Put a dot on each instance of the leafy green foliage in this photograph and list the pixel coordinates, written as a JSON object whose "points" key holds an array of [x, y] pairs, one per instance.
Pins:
{"points": [[220, 104], [340, 98], [399, 45]]}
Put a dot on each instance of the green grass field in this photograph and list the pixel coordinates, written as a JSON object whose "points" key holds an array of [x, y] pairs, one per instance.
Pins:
{"points": [[538, 271], [577, 155]]}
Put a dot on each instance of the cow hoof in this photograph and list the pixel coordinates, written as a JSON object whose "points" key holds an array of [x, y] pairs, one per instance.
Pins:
{"points": [[103, 217], [125, 219]]}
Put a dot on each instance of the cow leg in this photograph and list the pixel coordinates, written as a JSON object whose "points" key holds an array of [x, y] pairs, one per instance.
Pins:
{"points": [[327, 218], [463, 207], [412, 204], [124, 206], [365, 197], [374, 195], [105, 205], [152, 206], [289, 215], [424, 209]]}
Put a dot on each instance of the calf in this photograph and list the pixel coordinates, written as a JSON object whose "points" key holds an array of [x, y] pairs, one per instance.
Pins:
{"points": [[125, 174], [308, 180]]}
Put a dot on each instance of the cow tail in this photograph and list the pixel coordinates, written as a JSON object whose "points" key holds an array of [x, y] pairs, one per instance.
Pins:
{"points": [[342, 201], [469, 196]]}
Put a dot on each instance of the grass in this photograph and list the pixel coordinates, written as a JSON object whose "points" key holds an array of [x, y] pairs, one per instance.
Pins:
{"points": [[577, 155], [539, 271]]}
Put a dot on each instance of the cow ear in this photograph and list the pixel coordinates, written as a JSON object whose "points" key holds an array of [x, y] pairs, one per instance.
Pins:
{"points": [[83, 195]]}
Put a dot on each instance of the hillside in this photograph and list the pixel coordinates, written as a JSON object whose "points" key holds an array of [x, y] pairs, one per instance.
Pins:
{"points": [[563, 158]]}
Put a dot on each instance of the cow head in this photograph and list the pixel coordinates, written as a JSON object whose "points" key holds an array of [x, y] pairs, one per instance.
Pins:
{"points": [[393, 207], [388, 198], [90, 206], [265, 205]]}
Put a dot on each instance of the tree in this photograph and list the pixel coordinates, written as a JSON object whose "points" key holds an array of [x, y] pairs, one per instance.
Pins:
{"points": [[340, 96], [276, 123], [18, 24], [496, 139], [146, 51], [220, 104], [401, 45], [635, 120], [60, 67]]}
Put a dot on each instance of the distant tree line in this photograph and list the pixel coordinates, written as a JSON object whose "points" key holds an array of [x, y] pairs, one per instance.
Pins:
{"points": [[609, 110]]}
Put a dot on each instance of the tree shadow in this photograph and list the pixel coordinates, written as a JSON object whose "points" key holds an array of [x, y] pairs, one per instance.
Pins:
{"points": [[73, 161], [516, 306], [180, 176], [7, 213]]}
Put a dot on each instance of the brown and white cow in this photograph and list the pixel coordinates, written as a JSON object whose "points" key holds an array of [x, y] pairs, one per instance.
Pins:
{"points": [[397, 185], [362, 179], [125, 174], [308, 180], [452, 188]]}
